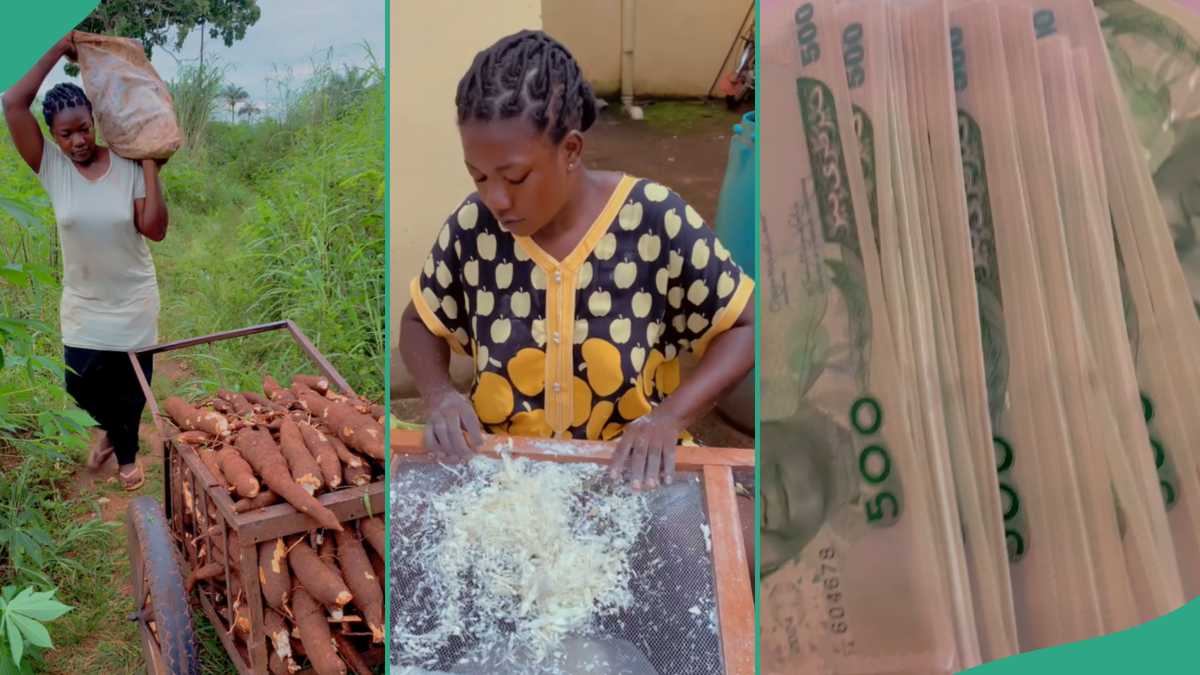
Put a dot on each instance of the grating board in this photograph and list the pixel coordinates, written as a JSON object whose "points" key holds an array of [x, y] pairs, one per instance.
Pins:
{"points": [[670, 628]]}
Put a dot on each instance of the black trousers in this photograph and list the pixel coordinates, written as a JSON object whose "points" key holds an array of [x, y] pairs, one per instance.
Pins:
{"points": [[105, 385]]}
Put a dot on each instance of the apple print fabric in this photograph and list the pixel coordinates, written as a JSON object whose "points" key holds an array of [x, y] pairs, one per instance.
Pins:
{"points": [[580, 347]]}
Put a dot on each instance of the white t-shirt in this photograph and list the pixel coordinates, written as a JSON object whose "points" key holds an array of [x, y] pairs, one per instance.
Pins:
{"points": [[110, 290]]}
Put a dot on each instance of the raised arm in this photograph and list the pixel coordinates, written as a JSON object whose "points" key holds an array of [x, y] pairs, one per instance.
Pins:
{"points": [[26, 134]]}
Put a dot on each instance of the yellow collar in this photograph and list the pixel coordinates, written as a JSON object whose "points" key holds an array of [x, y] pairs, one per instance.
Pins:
{"points": [[596, 231]]}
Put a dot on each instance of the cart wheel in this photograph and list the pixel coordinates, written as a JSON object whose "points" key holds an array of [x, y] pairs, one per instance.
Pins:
{"points": [[160, 602]]}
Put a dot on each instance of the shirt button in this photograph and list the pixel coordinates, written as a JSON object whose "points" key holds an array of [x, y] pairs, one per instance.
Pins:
{"points": [[556, 337], [557, 276], [557, 387]]}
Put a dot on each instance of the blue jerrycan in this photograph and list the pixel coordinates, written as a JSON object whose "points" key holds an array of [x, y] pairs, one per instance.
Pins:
{"points": [[735, 227], [735, 208]]}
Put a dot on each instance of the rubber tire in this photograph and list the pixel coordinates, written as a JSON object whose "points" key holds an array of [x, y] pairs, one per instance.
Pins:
{"points": [[151, 542]]}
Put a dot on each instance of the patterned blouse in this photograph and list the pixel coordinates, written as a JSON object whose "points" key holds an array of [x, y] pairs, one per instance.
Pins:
{"points": [[580, 347]]}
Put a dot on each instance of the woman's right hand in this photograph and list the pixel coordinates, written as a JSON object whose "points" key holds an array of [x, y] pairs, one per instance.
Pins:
{"points": [[66, 46], [453, 428]]}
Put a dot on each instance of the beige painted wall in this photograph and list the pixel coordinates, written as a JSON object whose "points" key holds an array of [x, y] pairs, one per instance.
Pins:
{"points": [[432, 44], [592, 31], [679, 44]]}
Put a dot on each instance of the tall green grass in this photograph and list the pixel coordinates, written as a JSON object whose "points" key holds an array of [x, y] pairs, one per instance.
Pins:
{"points": [[42, 434], [308, 243], [195, 92], [36, 417]]}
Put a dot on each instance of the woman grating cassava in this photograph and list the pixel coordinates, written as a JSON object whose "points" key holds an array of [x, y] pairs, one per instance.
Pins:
{"points": [[106, 208], [575, 290]]}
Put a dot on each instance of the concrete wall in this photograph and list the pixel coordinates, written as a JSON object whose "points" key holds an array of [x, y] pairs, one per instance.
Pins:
{"points": [[592, 31], [679, 44], [432, 44]]}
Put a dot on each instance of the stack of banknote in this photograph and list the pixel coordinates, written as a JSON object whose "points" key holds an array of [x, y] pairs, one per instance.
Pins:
{"points": [[977, 379]]}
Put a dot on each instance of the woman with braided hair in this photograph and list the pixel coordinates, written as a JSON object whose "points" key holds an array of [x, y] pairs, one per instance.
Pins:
{"points": [[574, 290], [106, 207]]}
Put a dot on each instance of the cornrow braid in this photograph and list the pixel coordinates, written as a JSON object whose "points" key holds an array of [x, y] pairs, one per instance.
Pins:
{"points": [[61, 97], [527, 74]]}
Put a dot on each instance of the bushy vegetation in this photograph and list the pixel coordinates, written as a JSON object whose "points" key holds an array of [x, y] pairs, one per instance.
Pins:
{"points": [[279, 216], [284, 218]]}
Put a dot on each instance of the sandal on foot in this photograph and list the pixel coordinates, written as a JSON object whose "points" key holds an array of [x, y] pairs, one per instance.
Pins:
{"points": [[133, 478], [102, 449]]}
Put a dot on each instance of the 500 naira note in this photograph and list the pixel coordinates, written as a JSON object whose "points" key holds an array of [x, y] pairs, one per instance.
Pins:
{"points": [[842, 490]]}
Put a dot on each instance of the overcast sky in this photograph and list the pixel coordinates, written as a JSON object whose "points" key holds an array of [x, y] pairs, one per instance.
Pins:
{"points": [[290, 34]]}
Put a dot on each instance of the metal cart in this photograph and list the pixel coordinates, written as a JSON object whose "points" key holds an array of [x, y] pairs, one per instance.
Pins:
{"points": [[164, 545]]}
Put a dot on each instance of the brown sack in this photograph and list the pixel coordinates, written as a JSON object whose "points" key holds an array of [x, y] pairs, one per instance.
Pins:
{"points": [[131, 103]]}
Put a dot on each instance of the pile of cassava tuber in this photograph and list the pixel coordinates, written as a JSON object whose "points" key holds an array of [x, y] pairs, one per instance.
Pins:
{"points": [[322, 589]]}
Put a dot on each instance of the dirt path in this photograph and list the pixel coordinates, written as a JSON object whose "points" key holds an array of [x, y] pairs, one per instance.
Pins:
{"points": [[683, 145], [86, 481], [115, 648]]}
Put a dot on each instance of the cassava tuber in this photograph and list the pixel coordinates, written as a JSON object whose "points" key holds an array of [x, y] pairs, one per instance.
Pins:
{"points": [[261, 451], [189, 418], [311, 400], [273, 573], [358, 431], [277, 665], [258, 399], [264, 499], [193, 437], [357, 475], [241, 406], [315, 382], [208, 571], [377, 564], [314, 634], [237, 472], [323, 452], [374, 531], [348, 458], [277, 634], [364, 585], [322, 581], [277, 393], [354, 659], [213, 464], [327, 551], [303, 467]]}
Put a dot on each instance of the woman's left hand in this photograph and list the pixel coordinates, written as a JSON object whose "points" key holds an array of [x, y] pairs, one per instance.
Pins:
{"points": [[648, 445]]}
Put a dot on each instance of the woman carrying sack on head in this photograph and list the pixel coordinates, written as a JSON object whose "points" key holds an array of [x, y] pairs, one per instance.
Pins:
{"points": [[106, 208], [575, 290]]}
